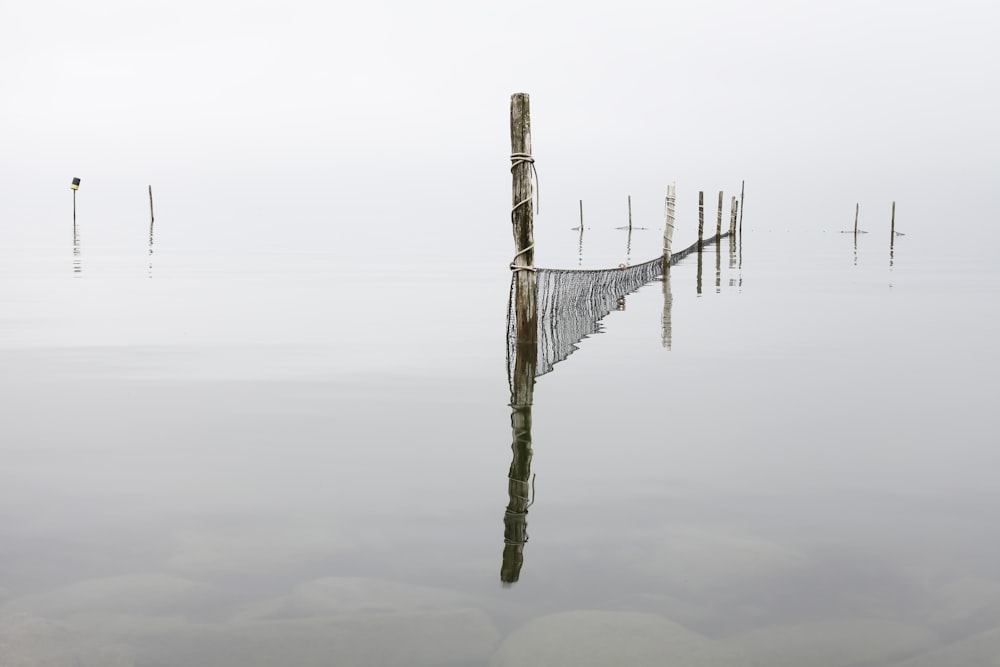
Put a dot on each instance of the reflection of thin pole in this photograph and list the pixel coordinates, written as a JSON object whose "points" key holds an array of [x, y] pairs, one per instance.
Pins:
{"points": [[74, 209], [698, 283], [668, 302], [718, 259]]}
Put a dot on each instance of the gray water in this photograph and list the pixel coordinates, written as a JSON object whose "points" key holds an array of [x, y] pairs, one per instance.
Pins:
{"points": [[252, 457]]}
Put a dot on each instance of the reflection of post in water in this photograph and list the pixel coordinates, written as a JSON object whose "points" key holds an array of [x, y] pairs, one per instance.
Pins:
{"points": [[668, 302], [718, 265], [698, 280], [525, 348], [77, 266], [515, 517], [151, 218]]}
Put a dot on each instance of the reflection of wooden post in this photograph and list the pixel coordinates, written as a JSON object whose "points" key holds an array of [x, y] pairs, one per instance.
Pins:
{"points": [[668, 302], [718, 217], [515, 518], [701, 217]]}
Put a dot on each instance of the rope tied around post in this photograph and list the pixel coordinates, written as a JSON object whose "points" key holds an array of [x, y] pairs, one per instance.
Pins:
{"points": [[517, 159], [519, 267], [522, 158]]}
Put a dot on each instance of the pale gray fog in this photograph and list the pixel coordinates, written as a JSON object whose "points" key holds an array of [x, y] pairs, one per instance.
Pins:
{"points": [[275, 425]]}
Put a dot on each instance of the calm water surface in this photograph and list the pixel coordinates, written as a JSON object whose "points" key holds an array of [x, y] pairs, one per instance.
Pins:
{"points": [[263, 458]]}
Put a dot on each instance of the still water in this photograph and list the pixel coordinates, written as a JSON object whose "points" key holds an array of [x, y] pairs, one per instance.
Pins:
{"points": [[785, 456]]}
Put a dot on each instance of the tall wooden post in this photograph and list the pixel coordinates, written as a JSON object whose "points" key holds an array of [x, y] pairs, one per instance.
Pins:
{"points": [[892, 232], [668, 230], [151, 205], [742, 186], [522, 217], [701, 217], [732, 215], [718, 217], [630, 213], [857, 207]]}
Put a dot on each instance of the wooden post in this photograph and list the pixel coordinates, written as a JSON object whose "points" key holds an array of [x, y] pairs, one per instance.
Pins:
{"points": [[630, 213], [668, 230], [857, 207], [581, 217], [892, 232], [718, 217], [742, 186], [732, 215], [151, 205], [522, 218], [701, 217]]}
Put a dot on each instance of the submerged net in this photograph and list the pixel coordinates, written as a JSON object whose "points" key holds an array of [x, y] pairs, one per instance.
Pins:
{"points": [[571, 304]]}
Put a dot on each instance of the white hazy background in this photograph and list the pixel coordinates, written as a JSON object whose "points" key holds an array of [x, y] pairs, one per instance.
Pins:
{"points": [[381, 128]]}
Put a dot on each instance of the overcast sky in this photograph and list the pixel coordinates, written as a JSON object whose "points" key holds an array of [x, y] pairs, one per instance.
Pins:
{"points": [[327, 121]]}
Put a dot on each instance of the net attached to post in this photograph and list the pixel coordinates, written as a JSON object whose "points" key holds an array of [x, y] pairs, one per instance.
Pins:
{"points": [[572, 302]]}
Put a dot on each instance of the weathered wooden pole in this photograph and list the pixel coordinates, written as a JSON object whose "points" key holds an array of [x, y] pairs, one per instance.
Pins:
{"points": [[581, 217], [857, 207], [522, 218], [718, 217], [701, 217], [892, 231], [151, 205], [668, 230], [732, 215], [742, 186], [630, 213]]}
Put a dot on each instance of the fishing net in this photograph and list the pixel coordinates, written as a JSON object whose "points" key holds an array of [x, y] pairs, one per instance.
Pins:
{"points": [[571, 304]]}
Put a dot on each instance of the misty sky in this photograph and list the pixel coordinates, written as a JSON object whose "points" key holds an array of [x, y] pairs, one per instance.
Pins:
{"points": [[332, 122]]}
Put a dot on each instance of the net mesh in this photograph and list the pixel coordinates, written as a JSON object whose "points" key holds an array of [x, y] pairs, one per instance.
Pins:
{"points": [[572, 302]]}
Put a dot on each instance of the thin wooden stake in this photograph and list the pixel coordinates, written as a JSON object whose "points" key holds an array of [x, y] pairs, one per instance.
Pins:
{"points": [[701, 217], [151, 205], [630, 213], [732, 215], [893, 229], [668, 230], [857, 207], [742, 186], [718, 217]]}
